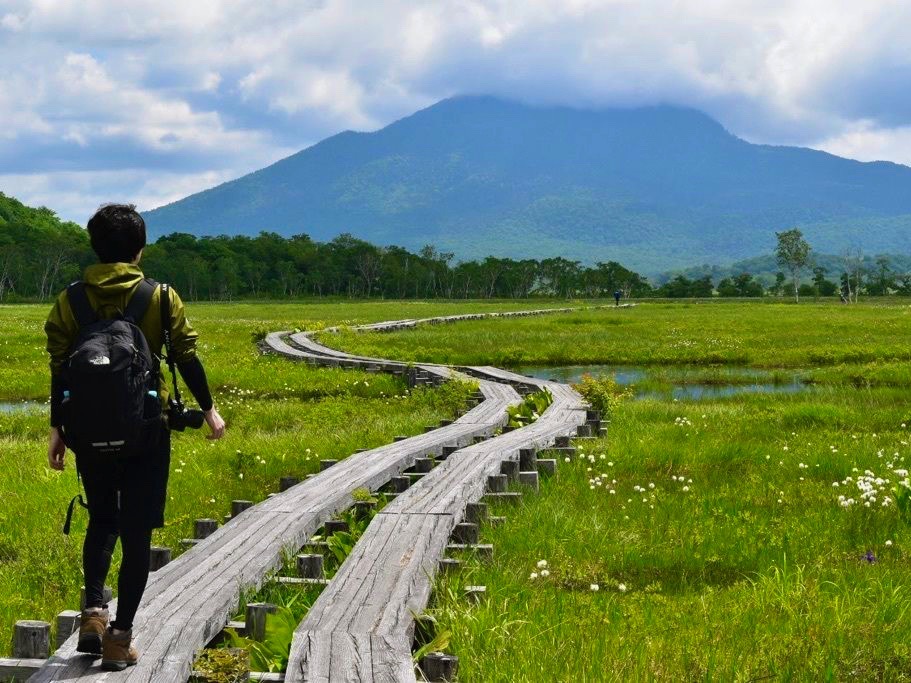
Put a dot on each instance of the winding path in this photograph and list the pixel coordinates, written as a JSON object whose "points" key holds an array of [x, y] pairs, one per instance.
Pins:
{"points": [[360, 628]]}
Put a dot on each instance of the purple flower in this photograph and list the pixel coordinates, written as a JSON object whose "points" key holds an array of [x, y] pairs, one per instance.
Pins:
{"points": [[870, 557]]}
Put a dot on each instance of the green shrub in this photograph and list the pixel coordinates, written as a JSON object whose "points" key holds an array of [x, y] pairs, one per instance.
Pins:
{"points": [[221, 666], [602, 393], [530, 409]]}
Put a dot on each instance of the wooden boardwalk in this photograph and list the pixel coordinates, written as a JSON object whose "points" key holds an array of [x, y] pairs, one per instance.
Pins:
{"points": [[360, 628]]}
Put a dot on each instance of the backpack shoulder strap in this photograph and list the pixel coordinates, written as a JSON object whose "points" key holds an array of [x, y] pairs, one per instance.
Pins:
{"points": [[140, 300], [79, 304], [165, 302]]}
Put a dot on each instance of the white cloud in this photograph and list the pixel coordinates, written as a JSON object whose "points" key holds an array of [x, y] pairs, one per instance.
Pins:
{"points": [[866, 142], [209, 88]]}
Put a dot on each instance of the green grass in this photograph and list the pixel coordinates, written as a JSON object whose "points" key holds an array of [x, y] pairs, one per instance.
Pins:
{"points": [[756, 571], [283, 417], [759, 336]]}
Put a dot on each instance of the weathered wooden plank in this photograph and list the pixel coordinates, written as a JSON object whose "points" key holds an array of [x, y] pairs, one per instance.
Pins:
{"points": [[18, 669], [388, 577]]}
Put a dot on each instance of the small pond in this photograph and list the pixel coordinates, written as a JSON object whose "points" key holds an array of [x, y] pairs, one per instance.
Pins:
{"points": [[8, 407], [673, 382]]}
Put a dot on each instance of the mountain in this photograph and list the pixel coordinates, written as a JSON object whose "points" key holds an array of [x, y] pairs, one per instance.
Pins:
{"points": [[654, 188]]}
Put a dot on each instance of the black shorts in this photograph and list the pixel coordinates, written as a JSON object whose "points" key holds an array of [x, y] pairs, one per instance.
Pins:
{"points": [[128, 493]]}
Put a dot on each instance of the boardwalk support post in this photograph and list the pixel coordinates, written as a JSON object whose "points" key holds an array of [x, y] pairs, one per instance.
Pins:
{"points": [[286, 483], [510, 468], [31, 640], [529, 479], [68, 622], [203, 528], [466, 533], [255, 628], [310, 566], [496, 483], [238, 506], [476, 513], [159, 556], [438, 666]]}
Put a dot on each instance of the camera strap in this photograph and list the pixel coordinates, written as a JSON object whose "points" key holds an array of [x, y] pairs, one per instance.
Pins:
{"points": [[166, 335]]}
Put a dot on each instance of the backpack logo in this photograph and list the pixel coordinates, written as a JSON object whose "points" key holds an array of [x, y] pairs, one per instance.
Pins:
{"points": [[100, 360]]}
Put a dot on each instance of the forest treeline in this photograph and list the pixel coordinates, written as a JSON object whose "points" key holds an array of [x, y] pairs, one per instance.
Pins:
{"points": [[39, 255]]}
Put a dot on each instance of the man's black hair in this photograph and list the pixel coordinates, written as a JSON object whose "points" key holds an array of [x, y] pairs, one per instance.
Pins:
{"points": [[117, 233]]}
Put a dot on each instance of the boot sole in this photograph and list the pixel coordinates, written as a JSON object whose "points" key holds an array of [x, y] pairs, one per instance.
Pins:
{"points": [[89, 644], [115, 665]]}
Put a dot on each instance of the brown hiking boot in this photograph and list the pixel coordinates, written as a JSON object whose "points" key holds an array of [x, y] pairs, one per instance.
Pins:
{"points": [[117, 652], [92, 626]]}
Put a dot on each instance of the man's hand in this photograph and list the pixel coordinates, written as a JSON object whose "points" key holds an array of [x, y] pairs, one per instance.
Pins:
{"points": [[56, 450], [216, 424]]}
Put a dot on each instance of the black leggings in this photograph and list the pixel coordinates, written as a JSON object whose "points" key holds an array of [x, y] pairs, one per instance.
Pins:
{"points": [[100, 539]]}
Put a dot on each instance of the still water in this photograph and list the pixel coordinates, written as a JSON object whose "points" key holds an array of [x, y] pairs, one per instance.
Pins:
{"points": [[743, 380], [8, 407]]}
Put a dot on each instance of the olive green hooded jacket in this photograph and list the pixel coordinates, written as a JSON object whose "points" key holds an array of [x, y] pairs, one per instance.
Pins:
{"points": [[109, 287]]}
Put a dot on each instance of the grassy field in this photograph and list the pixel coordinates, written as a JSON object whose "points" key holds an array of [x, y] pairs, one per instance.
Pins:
{"points": [[832, 343], [703, 540], [727, 539], [282, 419]]}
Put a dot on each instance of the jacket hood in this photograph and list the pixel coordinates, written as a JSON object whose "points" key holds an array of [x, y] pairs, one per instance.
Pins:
{"points": [[113, 278]]}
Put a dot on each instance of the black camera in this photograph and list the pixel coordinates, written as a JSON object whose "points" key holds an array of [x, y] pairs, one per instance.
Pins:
{"points": [[180, 417]]}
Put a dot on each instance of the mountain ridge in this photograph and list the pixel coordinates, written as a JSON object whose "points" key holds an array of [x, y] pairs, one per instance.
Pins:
{"points": [[654, 187]]}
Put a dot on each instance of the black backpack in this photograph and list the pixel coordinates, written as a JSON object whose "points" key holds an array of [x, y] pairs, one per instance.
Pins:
{"points": [[111, 404]]}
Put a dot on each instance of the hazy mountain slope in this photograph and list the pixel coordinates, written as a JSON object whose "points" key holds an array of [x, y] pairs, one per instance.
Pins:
{"points": [[654, 187]]}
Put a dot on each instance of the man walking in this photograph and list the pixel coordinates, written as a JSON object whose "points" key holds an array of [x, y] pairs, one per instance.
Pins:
{"points": [[125, 477]]}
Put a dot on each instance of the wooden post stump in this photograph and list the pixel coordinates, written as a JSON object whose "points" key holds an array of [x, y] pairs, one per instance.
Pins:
{"points": [[445, 423], [562, 442], [238, 506], [286, 483], [510, 468], [496, 483], [310, 567], [528, 458], [423, 465], [159, 556], [429, 428], [400, 437], [547, 467], [31, 640], [475, 594], [68, 622], [508, 428], [449, 450], [400, 484], [203, 528], [326, 464], [476, 512], [466, 533], [583, 430], [529, 479], [437, 667], [255, 628], [334, 525], [450, 564]]}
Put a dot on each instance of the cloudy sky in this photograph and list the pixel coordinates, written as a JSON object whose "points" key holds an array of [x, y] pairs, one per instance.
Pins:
{"points": [[151, 100]]}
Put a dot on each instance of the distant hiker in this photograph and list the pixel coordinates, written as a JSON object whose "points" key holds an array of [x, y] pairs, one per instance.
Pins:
{"points": [[617, 296], [110, 406]]}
